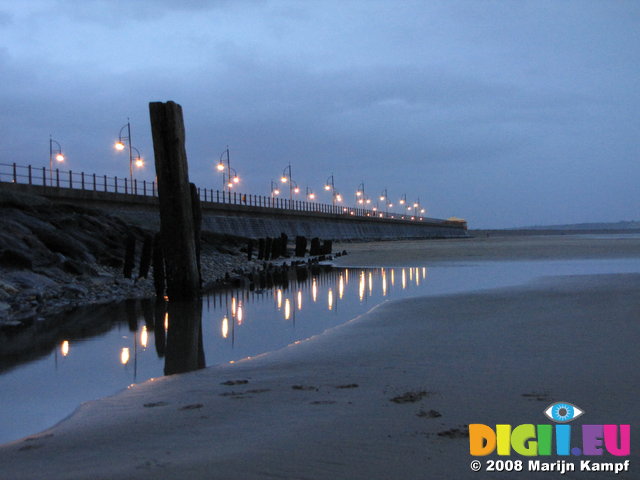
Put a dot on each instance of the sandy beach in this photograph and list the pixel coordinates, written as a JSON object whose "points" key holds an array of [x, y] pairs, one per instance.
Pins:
{"points": [[387, 395]]}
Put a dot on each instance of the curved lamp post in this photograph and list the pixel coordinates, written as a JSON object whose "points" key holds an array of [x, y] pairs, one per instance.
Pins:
{"points": [[330, 186], [121, 144], [275, 191], [54, 153], [227, 179]]}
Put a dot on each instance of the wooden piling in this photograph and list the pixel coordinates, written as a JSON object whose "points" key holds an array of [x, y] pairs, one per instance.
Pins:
{"points": [[176, 212], [158, 267], [145, 256], [129, 255]]}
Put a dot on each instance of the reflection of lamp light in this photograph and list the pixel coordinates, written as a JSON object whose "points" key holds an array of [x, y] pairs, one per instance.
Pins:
{"points": [[287, 309], [314, 290], [330, 299], [240, 315], [124, 356], [299, 299], [341, 286], [144, 337], [225, 327], [279, 298], [64, 348]]}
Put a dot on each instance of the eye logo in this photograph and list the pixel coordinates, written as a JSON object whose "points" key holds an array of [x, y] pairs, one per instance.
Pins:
{"points": [[563, 412]]}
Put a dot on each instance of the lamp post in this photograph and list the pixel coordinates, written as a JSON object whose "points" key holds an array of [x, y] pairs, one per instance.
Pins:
{"points": [[227, 179], [310, 195], [403, 199], [275, 191], [330, 186], [286, 178], [58, 156], [121, 144], [360, 194]]}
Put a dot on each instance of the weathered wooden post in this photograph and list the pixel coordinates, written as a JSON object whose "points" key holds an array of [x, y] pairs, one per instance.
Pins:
{"points": [[301, 246], [261, 244], [145, 256], [315, 247], [250, 244], [158, 267], [283, 245], [197, 226], [176, 213], [129, 255]]}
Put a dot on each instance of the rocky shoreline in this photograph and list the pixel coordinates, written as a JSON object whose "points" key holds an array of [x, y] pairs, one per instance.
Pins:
{"points": [[55, 257]]}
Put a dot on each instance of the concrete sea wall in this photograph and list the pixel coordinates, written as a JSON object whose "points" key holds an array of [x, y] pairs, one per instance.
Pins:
{"points": [[254, 221]]}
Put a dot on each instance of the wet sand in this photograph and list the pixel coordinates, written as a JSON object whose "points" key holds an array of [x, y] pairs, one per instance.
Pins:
{"points": [[362, 400]]}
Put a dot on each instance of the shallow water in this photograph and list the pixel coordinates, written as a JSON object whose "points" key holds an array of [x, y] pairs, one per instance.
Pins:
{"points": [[130, 342]]}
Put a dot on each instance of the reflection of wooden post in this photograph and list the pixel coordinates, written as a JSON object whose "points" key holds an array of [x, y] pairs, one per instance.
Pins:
{"points": [[176, 214]]}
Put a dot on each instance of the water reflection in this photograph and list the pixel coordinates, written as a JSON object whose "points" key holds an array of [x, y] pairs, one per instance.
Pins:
{"points": [[136, 340]]}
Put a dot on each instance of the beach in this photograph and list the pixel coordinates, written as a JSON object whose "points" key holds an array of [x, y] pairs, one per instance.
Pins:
{"points": [[387, 395]]}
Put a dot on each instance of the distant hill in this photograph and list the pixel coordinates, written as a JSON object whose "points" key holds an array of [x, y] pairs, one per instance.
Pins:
{"points": [[622, 225]]}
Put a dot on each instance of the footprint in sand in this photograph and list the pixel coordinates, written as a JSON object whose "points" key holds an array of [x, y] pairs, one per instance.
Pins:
{"points": [[410, 397], [429, 414], [193, 406], [235, 382], [155, 404], [350, 385], [305, 387], [457, 432]]}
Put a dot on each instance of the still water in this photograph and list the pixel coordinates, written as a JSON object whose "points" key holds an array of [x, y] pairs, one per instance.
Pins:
{"points": [[113, 346]]}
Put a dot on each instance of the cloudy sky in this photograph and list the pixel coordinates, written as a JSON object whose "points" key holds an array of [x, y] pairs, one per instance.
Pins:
{"points": [[506, 113]]}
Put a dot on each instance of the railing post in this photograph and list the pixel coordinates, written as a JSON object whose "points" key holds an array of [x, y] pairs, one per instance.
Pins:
{"points": [[217, 196], [135, 186], [153, 189], [44, 176], [126, 189], [115, 180], [29, 174], [235, 201], [15, 174], [70, 179], [105, 183], [57, 178], [94, 182], [82, 180], [144, 188]]}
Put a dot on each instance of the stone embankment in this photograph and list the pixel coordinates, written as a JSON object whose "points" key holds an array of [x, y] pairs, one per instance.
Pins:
{"points": [[55, 256]]}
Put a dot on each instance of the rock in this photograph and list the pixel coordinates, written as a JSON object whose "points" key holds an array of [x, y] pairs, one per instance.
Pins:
{"points": [[15, 259]]}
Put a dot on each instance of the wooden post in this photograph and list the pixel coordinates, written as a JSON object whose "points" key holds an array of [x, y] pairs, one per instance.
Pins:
{"points": [[158, 268], [129, 255], [176, 213], [145, 256]]}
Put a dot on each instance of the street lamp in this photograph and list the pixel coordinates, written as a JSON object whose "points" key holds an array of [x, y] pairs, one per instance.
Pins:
{"points": [[286, 178], [360, 198], [403, 199], [330, 186], [310, 194], [274, 189], [227, 179], [54, 153], [121, 144]]}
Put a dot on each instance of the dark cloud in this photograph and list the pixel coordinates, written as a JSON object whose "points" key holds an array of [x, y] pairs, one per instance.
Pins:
{"points": [[504, 116]]}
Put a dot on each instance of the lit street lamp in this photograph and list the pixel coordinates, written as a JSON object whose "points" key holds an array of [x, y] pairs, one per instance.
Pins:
{"points": [[227, 179], [310, 194], [330, 186], [121, 144], [57, 154], [286, 178], [274, 189]]}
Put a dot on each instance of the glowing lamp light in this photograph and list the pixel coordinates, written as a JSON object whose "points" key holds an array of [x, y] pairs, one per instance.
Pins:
{"points": [[124, 356], [368, 200], [296, 190], [382, 198], [401, 202], [358, 193], [236, 179], [139, 162], [283, 179], [276, 192], [312, 196], [229, 184], [220, 167], [360, 201], [415, 205], [327, 187], [339, 198], [422, 210], [119, 146], [60, 157]]}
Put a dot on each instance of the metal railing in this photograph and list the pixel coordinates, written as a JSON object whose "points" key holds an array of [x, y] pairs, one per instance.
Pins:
{"points": [[60, 179]]}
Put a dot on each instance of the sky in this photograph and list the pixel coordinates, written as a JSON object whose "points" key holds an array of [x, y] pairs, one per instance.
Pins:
{"points": [[504, 113]]}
